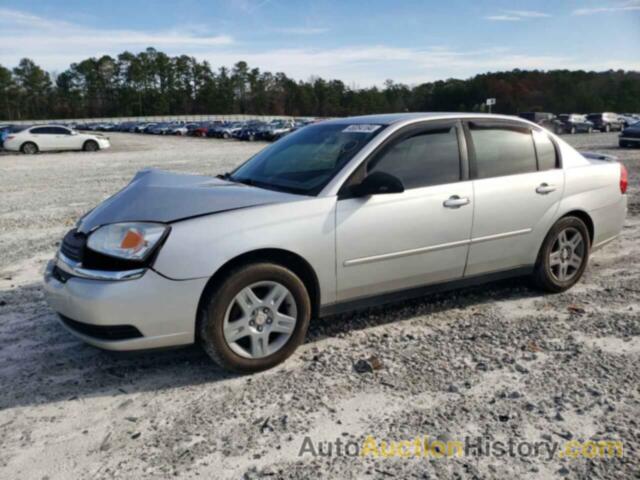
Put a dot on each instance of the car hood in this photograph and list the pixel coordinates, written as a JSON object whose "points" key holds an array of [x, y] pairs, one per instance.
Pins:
{"points": [[159, 196]]}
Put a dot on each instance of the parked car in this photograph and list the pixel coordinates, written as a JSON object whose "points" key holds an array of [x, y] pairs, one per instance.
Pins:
{"points": [[343, 214], [630, 136], [544, 119], [161, 128], [202, 130], [43, 138], [184, 129], [4, 133], [606, 122], [253, 131], [228, 130], [628, 120], [574, 123], [277, 129], [143, 127]]}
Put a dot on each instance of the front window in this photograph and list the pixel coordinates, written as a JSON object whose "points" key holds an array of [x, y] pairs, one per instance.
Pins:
{"points": [[306, 160]]}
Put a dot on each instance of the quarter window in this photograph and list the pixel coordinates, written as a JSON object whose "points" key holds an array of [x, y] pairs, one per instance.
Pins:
{"points": [[427, 158], [502, 151], [546, 150]]}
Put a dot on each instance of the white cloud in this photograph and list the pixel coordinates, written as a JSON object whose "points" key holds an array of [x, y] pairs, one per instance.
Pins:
{"points": [[503, 18], [55, 45], [516, 15], [628, 6], [527, 13], [33, 36]]}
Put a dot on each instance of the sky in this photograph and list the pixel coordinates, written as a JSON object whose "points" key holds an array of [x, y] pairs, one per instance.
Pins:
{"points": [[362, 43]]}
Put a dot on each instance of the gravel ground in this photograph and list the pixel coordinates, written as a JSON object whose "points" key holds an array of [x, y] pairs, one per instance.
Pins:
{"points": [[500, 362]]}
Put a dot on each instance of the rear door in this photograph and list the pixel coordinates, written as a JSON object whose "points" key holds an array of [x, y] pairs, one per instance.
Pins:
{"points": [[43, 137], [518, 184], [391, 242]]}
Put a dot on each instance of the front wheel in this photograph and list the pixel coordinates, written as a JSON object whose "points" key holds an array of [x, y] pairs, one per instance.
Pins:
{"points": [[255, 319], [90, 146], [563, 256]]}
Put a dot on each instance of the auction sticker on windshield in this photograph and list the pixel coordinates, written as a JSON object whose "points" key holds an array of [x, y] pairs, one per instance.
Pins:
{"points": [[361, 128]]}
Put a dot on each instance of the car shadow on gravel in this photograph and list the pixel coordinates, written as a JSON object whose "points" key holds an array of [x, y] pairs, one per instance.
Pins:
{"points": [[44, 363]]}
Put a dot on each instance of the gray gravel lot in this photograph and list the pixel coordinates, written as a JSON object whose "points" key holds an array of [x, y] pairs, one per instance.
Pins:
{"points": [[501, 361]]}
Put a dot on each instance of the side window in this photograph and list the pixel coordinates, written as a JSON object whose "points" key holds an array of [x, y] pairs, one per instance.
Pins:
{"points": [[40, 130], [58, 131], [546, 150], [502, 151], [427, 158]]}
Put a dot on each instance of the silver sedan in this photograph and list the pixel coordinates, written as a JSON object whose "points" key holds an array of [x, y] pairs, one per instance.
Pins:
{"points": [[336, 216]]}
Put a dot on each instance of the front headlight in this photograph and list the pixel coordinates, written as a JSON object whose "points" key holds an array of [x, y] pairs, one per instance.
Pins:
{"points": [[131, 241]]}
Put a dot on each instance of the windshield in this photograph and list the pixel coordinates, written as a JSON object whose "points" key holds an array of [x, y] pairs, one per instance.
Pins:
{"points": [[304, 161]]}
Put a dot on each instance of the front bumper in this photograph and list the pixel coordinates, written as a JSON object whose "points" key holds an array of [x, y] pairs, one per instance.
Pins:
{"points": [[104, 143], [162, 311]]}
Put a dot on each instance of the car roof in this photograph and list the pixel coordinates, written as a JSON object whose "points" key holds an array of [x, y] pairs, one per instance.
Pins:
{"points": [[393, 118]]}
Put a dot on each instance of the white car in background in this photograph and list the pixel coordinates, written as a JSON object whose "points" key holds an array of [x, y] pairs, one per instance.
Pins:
{"points": [[46, 138]]}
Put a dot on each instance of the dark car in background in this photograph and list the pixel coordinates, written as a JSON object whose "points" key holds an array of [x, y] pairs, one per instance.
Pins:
{"points": [[6, 130], [544, 119], [606, 121], [574, 123], [630, 136]]}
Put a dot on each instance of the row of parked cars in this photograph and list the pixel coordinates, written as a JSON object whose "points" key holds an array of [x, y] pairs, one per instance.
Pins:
{"points": [[249, 130], [582, 123]]}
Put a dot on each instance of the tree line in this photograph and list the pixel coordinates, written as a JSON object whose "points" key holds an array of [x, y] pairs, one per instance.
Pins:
{"points": [[154, 83]]}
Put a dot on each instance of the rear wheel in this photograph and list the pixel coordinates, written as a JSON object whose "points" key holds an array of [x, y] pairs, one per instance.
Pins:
{"points": [[256, 318], [563, 256], [90, 146], [29, 148]]}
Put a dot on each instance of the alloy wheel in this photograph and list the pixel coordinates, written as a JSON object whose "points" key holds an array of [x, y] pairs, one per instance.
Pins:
{"points": [[29, 149], [567, 254], [260, 320]]}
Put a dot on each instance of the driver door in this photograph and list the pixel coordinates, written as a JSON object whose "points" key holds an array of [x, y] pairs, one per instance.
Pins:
{"points": [[396, 241]]}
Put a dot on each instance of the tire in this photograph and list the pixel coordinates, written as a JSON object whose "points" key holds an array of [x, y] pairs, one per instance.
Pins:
{"points": [[90, 146], [257, 319], [557, 268], [29, 148], [225, 135]]}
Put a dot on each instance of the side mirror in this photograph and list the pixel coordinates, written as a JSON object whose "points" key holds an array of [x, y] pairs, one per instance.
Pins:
{"points": [[378, 183]]}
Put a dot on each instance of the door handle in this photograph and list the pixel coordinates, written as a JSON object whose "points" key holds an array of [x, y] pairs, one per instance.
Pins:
{"points": [[454, 201], [545, 188]]}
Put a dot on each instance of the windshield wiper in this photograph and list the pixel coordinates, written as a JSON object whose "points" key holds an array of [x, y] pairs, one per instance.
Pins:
{"points": [[224, 176]]}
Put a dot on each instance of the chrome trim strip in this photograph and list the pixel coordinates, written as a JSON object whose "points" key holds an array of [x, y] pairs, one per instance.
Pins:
{"points": [[404, 253], [433, 248], [71, 267], [499, 236]]}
